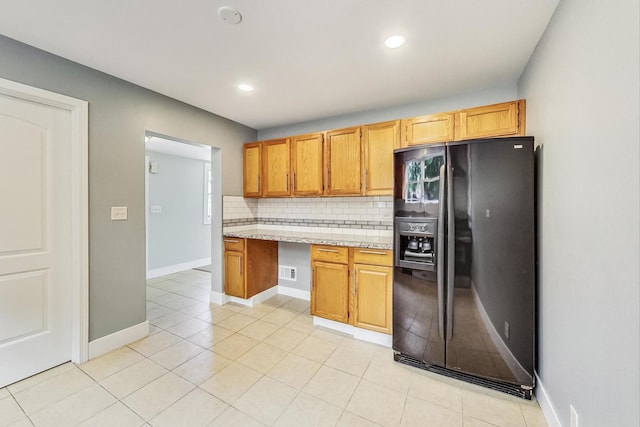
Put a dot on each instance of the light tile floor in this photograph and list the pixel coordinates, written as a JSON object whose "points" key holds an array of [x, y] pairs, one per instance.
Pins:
{"points": [[206, 365]]}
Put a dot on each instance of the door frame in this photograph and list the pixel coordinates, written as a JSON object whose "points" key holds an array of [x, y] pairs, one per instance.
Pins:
{"points": [[79, 141]]}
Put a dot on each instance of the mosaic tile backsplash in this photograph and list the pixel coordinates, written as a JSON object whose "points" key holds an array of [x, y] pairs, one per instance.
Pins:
{"points": [[361, 215]]}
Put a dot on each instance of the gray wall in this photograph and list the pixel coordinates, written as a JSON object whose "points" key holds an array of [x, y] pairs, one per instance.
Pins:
{"points": [[466, 100], [178, 234], [582, 86], [296, 255], [119, 115]]}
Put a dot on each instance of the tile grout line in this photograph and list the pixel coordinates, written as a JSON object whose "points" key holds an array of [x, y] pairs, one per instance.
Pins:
{"points": [[11, 395], [337, 342]]}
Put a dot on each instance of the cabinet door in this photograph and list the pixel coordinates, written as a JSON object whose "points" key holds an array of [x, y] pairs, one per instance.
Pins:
{"points": [[262, 266], [306, 165], [329, 291], [275, 171], [372, 299], [234, 274], [252, 167], [343, 154], [378, 142], [505, 119], [427, 129]]}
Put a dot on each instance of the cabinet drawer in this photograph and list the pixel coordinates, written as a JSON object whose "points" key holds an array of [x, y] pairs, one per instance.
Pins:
{"points": [[233, 244], [373, 256], [330, 253]]}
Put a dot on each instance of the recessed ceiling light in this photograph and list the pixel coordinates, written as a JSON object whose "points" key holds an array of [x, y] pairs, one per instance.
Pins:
{"points": [[245, 87], [394, 42]]}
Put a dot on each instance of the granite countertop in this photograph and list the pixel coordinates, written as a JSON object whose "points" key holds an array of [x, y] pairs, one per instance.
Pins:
{"points": [[353, 240]]}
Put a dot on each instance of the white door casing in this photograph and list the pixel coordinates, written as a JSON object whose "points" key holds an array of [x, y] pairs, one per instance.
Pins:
{"points": [[43, 231]]}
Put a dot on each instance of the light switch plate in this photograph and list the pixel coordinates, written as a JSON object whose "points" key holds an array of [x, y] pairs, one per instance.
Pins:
{"points": [[156, 209], [118, 213]]}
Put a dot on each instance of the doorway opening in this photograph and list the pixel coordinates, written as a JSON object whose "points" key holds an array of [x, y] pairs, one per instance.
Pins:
{"points": [[183, 226]]}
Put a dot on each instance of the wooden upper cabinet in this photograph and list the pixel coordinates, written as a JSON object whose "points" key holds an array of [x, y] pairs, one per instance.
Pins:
{"points": [[359, 160], [427, 129], [252, 167], [306, 165], [276, 166], [342, 168], [378, 142], [505, 119]]}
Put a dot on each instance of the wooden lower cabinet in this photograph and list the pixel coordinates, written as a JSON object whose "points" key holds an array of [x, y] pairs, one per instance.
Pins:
{"points": [[250, 266], [329, 293], [372, 297], [352, 285], [234, 273]]}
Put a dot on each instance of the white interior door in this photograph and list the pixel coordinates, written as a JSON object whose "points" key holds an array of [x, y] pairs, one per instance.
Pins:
{"points": [[35, 237]]}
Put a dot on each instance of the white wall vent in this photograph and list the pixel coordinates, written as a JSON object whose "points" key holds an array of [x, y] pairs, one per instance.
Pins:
{"points": [[288, 273]]}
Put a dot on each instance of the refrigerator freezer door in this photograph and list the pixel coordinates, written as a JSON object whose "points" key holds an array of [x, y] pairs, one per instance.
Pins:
{"points": [[415, 316], [418, 318]]}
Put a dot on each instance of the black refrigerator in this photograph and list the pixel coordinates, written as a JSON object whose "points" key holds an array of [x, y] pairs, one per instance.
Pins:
{"points": [[464, 247]]}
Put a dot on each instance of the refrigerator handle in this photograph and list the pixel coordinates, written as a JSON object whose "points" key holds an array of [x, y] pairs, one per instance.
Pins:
{"points": [[440, 251], [451, 247]]}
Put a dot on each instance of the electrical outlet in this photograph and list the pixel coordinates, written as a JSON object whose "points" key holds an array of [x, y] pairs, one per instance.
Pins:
{"points": [[507, 330], [574, 416]]}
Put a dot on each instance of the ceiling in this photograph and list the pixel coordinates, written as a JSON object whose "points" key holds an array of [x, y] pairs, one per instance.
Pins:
{"points": [[175, 148], [307, 59]]}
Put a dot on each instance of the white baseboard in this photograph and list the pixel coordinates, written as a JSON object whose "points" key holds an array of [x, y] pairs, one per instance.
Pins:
{"points": [[118, 339], [548, 410], [295, 293], [264, 295], [218, 298], [358, 333], [221, 299], [176, 268]]}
